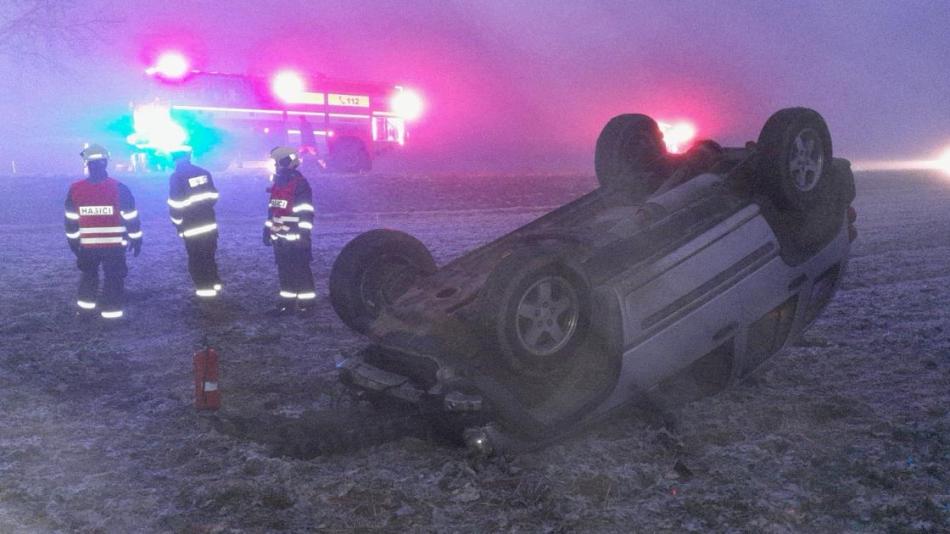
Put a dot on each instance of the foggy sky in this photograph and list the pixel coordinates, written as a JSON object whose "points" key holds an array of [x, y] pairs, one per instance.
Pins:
{"points": [[526, 85]]}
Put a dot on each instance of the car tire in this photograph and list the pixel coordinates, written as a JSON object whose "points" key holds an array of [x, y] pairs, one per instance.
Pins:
{"points": [[349, 155], [803, 233], [372, 271], [794, 158], [804, 205], [536, 307], [629, 149]]}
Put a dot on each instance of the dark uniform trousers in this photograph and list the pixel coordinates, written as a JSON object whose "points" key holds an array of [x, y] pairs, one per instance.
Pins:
{"points": [[201, 263], [114, 270], [293, 269]]}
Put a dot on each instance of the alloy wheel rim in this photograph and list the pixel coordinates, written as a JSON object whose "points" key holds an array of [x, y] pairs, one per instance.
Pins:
{"points": [[806, 159], [547, 316]]}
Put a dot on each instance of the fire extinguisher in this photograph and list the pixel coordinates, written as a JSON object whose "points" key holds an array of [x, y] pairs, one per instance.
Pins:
{"points": [[207, 394]]}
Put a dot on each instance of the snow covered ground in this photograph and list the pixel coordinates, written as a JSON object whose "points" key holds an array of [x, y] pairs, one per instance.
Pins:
{"points": [[847, 431]]}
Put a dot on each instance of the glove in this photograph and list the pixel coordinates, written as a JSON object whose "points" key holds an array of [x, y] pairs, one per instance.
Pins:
{"points": [[135, 245], [266, 237], [73, 245]]}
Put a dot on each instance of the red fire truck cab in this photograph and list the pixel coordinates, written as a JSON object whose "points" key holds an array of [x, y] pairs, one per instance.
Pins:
{"points": [[232, 120]]}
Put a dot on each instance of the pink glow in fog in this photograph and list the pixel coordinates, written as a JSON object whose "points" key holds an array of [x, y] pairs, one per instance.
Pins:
{"points": [[407, 104], [289, 86], [678, 135], [171, 65]]}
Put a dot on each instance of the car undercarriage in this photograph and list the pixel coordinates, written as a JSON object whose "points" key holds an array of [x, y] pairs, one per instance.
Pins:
{"points": [[703, 263]]}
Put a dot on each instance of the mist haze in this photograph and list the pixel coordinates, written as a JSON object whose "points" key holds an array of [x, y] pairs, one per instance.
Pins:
{"points": [[642, 394], [515, 86]]}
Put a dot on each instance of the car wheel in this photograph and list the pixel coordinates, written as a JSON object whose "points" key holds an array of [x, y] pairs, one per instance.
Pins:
{"points": [[794, 160], [372, 271], [803, 192], [537, 306], [629, 148]]}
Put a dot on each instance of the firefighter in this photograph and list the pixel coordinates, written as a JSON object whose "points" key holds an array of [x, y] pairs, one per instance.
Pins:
{"points": [[287, 229], [191, 200], [101, 221]]}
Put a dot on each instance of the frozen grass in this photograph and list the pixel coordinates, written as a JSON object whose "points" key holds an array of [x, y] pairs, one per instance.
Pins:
{"points": [[848, 431]]}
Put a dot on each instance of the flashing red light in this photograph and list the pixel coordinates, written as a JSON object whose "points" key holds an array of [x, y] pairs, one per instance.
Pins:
{"points": [[288, 86], [407, 104], [677, 135], [170, 65]]}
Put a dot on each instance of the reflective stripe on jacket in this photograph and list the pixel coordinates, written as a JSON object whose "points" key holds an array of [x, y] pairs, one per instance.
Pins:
{"points": [[98, 214], [191, 199], [290, 209]]}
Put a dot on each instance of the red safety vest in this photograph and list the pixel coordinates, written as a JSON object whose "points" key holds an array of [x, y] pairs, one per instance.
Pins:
{"points": [[282, 220], [100, 219]]}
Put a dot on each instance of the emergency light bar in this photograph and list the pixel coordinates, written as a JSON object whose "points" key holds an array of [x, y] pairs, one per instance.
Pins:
{"points": [[220, 111], [406, 104], [170, 65], [288, 86]]}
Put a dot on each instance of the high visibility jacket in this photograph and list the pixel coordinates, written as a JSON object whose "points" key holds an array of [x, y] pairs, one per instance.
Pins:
{"points": [[290, 210], [191, 200], [100, 213]]}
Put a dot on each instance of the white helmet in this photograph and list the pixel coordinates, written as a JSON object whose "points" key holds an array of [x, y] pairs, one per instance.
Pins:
{"points": [[285, 157]]}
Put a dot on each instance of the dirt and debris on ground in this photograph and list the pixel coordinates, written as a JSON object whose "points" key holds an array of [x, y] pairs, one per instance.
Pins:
{"points": [[846, 431]]}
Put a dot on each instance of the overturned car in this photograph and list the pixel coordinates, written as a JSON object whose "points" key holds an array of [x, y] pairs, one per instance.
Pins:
{"points": [[703, 263]]}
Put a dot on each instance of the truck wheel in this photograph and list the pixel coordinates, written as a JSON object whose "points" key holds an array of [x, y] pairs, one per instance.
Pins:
{"points": [[372, 271], [629, 147], [536, 306], [349, 154], [794, 160]]}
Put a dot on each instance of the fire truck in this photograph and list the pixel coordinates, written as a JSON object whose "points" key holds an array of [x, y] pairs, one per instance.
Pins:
{"points": [[234, 120]]}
